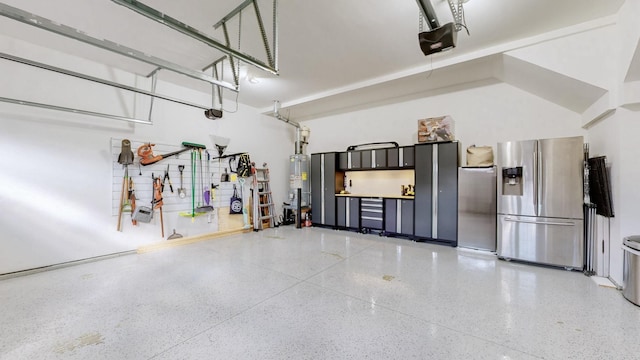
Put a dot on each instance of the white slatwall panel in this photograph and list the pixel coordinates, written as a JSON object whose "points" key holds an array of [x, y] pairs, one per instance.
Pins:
{"points": [[143, 183]]}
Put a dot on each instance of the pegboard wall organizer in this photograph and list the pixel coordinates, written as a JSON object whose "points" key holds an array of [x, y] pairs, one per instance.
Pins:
{"points": [[208, 174]]}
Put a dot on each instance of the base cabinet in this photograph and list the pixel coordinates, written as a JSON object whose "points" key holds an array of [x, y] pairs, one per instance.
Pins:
{"points": [[348, 212], [371, 214], [398, 216]]}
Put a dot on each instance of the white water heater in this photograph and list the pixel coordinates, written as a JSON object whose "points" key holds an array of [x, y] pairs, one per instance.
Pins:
{"points": [[299, 179]]}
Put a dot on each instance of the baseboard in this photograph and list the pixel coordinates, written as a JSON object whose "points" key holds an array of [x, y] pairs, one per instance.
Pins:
{"points": [[189, 240]]}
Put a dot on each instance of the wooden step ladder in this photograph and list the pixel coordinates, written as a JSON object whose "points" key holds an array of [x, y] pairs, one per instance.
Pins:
{"points": [[264, 213]]}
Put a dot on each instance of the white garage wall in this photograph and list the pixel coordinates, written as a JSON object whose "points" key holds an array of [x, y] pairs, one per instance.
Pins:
{"points": [[616, 138], [484, 113], [56, 168]]}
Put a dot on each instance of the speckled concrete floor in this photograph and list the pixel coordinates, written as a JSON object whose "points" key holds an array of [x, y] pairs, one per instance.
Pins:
{"points": [[313, 294]]}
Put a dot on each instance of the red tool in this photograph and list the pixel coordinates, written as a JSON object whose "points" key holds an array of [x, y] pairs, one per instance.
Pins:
{"points": [[145, 152]]}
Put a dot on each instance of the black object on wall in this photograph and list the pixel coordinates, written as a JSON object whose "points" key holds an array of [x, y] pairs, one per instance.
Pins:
{"points": [[600, 186]]}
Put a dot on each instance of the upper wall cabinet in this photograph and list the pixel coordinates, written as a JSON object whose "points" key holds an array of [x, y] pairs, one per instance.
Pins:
{"points": [[377, 159]]}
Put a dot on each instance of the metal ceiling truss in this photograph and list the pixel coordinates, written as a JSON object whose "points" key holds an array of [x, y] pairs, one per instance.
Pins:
{"points": [[58, 70], [187, 30], [271, 58], [46, 24], [99, 80], [216, 91], [457, 11], [75, 111], [216, 79]]}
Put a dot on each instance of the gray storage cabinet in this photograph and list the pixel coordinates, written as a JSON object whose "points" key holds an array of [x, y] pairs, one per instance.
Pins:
{"points": [[436, 187], [324, 185], [393, 157], [371, 214], [407, 156], [348, 212], [381, 158], [398, 216]]}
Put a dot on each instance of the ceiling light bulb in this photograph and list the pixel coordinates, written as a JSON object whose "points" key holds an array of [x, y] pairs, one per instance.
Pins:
{"points": [[252, 79]]}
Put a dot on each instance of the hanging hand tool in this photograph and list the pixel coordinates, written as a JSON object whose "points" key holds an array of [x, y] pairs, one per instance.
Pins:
{"points": [[193, 185], [132, 198], [124, 199], [126, 155], [207, 191], [166, 177], [181, 190], [201, 207], [157, 200], [125, 158]]}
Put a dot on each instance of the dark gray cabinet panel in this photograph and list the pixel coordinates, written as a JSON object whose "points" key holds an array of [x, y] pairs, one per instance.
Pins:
{"points": [[354, 212], [401, 223], [366, 159], [393, 157], [424, 189], [316, 189], [448, 191], [444, 193], [356, 159], [341, 211], [381, 158], [348, 212], [406, 212], [408, 156], [390, 215], [330, 188], [324, 182], [343, 161]]}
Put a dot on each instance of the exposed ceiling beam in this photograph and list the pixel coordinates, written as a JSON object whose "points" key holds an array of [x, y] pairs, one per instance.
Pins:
{"points": [[75, 111], [98, 80], [233, 13]]}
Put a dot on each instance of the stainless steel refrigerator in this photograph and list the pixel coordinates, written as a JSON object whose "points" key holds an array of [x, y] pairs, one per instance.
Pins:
{"points": [[540, 197], [477, 208]]}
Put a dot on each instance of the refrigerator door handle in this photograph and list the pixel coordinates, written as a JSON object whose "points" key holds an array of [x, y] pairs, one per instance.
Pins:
{"points": [[535, 179], [540, 222], [540, 182]]}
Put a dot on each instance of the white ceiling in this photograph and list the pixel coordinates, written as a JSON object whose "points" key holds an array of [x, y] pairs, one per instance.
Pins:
{"points": [[333, 55]]}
